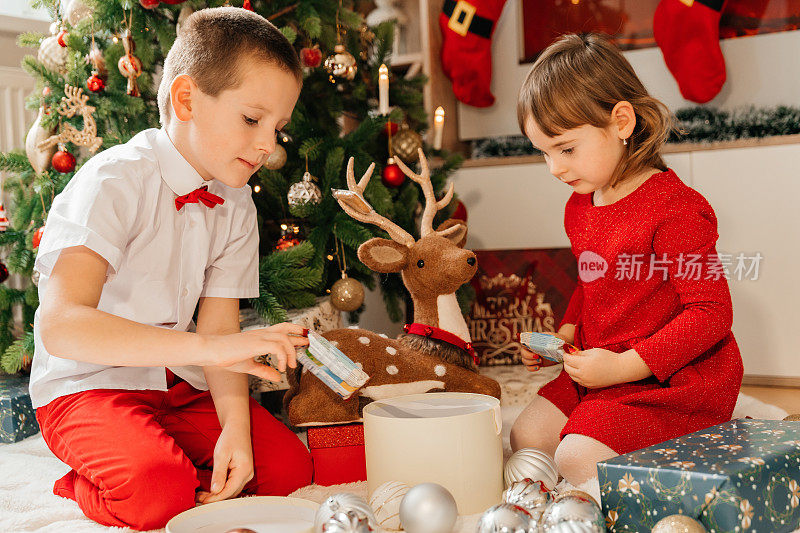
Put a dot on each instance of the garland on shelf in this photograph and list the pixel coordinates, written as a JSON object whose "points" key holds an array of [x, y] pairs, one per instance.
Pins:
{"points": [[693, 125]]}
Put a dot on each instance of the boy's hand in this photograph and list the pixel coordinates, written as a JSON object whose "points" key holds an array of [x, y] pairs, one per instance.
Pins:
{"points": [[237, 352], [593, 368], [233, 464]]}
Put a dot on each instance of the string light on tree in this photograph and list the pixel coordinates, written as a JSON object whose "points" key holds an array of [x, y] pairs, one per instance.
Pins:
{"points": [[290, 236], [383, 90], [438, 128]]}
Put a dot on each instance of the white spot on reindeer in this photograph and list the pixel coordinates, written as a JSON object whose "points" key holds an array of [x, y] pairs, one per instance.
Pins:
{"points": [[391, 350], [383, 335], [391, 369], [363, 340], [440, 370]]}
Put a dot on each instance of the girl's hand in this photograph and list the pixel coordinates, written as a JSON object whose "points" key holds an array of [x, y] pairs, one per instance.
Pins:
{"points": [[532, 361], [233, 464], [593, 368], [237, 352]]}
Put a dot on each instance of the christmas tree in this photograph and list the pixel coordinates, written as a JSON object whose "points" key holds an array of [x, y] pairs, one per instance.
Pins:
{"points": [[97, 76]]}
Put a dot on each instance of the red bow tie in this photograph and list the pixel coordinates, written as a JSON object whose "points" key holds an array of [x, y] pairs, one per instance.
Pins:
{"points": [[198, 195]]}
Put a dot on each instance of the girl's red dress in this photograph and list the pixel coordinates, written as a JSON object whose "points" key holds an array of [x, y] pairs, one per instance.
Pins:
{"points": [[653, 299]]}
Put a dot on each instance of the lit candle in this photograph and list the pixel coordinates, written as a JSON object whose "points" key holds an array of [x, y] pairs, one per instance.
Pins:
{"points": [[383, 90], [438, 128]]}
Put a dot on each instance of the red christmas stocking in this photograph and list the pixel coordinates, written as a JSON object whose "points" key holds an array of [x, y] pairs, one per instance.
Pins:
{"points": [[467, 29], [688, 33]]}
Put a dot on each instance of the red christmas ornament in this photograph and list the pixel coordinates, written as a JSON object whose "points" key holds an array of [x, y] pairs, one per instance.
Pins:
{"points": [[3, 272], [62, 35], [37, 236], [390, 128], [149, 4], [311, 57], [173, 2], [95, 83], [46, 91], [63, 161], [392, 176], [246, 5]]}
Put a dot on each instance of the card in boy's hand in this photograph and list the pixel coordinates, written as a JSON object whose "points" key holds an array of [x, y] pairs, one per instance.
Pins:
{"points": [[550, 347]]}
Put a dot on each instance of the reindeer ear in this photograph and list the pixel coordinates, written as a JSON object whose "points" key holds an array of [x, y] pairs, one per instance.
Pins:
{"points": [[383, 255], [455, 230]]}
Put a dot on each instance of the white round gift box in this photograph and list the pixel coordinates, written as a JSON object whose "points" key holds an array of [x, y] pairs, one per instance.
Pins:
{"points": [[449, 438]]}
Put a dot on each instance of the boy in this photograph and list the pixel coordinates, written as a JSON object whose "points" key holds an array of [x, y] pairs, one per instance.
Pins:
{"points": [[143, 233]]}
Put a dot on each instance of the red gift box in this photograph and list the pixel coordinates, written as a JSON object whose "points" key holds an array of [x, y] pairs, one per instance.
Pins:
{"points": [[338, 454]]}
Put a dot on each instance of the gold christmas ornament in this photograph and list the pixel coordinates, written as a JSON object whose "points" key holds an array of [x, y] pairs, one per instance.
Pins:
{"points": [[75, 102], [341, 64], [792, 418], [678, 523], [304, 192], [52, 55], [39, 157], [276, 159], [129, 65], [406, 144], [347, 294]]}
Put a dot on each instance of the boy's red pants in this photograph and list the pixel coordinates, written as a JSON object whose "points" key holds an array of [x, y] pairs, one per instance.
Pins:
{"points": [[138, 457]]}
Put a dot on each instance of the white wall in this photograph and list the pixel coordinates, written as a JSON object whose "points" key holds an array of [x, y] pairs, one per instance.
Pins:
{"points": [[762, 70]]}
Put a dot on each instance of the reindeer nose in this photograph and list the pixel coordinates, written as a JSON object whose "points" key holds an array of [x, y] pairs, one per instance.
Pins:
{"points": [[471, 261]]}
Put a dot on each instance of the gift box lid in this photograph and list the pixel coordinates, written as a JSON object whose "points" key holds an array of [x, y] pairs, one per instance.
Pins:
{"points": [[335, 436], [12, 386], [741, 475]]}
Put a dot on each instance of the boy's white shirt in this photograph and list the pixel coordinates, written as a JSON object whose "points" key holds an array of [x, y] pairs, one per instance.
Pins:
{"points": [[121, 204]]}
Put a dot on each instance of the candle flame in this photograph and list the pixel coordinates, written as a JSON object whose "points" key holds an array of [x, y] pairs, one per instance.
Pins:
{"points": [[438, 115], [383, 72]]}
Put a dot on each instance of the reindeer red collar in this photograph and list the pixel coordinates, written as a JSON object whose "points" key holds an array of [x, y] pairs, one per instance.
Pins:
{"points": [[432, 269]]}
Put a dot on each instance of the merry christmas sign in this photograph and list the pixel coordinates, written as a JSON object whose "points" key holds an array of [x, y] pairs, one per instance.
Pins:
{"points": [[516, 291]]}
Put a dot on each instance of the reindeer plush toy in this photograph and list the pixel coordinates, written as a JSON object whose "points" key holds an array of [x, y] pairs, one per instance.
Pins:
{"points": [[435, 353]]}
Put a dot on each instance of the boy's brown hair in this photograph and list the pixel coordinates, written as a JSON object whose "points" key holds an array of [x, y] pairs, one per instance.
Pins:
{"points": [[211, 46], [578, 80]]}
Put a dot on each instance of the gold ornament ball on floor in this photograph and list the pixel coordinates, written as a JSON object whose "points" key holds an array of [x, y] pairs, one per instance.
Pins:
{"points": [[678, 523], [276, 159], [347, 294]]}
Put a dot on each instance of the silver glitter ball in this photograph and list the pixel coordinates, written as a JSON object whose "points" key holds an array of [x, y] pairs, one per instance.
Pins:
{"points": [[341, 503], [577, 507], [351, 521], [304, 192], [533, 496], [428, 508], [507, 518], [531, 463]]}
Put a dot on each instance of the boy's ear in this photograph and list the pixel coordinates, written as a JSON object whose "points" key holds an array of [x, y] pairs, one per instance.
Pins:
{"points": [[180, 96], [624, 118], [383, 255]]}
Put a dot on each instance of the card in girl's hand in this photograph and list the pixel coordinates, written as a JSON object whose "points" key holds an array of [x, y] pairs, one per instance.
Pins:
{"points": [[548, 346]]}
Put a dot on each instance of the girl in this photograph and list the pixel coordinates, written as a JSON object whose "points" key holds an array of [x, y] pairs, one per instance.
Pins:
{"points": [[652, 312]]}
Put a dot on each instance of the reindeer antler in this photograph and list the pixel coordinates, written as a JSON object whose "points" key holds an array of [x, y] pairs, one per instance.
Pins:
{"points": [[354, 204], [431, 205]]}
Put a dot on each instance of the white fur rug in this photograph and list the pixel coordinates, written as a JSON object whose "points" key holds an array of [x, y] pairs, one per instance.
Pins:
{"points": [[28, 470]]}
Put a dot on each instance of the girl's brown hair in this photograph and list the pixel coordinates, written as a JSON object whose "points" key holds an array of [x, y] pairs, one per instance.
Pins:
{"points": [[578, 80]]}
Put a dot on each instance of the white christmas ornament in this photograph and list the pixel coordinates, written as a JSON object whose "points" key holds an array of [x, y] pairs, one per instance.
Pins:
{"points": [[342, 502], [428, 508], [385, 501], [39, 157], [304, 191], [531, 463], [52, 55], [74, 11]]}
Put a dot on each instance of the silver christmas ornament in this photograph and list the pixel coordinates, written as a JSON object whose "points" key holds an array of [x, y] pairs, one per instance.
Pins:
{"points": [[531, 463], [678, 523], [341, 64], [351, 521], [576, 507], [75, 11], [342, 502], [533, 496], [428, 508], [573, 527], [506, 518], [276, 159], [304, 192]]}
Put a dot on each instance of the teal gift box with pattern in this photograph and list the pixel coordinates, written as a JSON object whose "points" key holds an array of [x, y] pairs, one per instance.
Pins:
{"points": [[17, 419], [741, 476]]}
